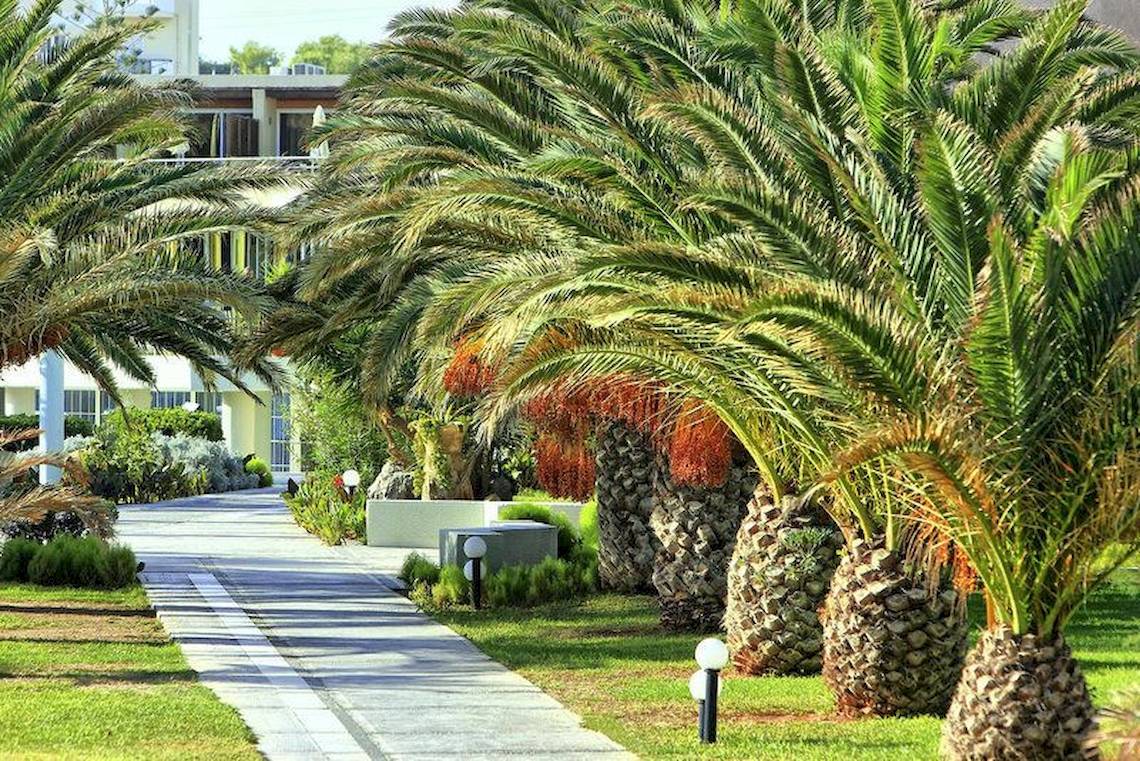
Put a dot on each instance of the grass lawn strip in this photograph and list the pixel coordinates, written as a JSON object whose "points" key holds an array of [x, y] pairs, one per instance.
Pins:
{"points": [[91, 674], [608, 660]]}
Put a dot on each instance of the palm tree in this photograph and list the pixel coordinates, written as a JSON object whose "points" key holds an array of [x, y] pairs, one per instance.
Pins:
{"points": [[757, 146], [90, 260], [991, 352], [895, 205]]}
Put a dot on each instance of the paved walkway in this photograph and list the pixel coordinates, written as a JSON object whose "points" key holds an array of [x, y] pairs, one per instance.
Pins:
{"points": [[318, 653]]}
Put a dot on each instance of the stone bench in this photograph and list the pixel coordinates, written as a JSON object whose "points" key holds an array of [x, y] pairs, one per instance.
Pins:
{"points": [[416, 523], [508, 543]]}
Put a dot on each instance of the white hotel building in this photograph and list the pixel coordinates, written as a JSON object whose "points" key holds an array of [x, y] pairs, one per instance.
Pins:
{"points": [[241, 117]]}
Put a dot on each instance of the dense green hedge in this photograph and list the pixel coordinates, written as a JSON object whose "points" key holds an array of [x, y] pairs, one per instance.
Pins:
{"points": [[169, 421], [72, 426], [68, 561]]}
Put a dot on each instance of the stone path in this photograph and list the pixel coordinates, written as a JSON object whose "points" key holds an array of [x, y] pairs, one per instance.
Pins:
{"points": [[319, 654]]}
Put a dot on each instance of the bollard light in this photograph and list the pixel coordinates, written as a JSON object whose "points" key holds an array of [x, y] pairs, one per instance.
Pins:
{"points": [[351, 480], [712, 657], [697, 688], [475, 548]]}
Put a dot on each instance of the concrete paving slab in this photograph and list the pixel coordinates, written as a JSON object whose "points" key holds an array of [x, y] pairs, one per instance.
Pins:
{"points": [[321, 656]]}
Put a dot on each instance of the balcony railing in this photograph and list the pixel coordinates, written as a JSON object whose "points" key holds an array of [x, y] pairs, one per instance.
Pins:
{"points": [[295, 163]]}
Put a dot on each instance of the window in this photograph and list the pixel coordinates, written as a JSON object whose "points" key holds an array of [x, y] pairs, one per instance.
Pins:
{"points": [[258, 255], [216, 134], [80, 404], [205, 136], [209, 401], [107, 404], [166, 399], [291, 136], [280, 459]]}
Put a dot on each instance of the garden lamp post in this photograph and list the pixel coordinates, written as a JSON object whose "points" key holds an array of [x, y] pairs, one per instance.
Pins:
{"points": [[705, 685], [475, 548], [351, 480]]}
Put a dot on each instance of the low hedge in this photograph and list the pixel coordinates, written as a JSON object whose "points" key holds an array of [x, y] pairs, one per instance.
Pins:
{"points": [[260, 468], [552, 580], [72, 426], [67, 561], [568, 537], [169, 421]]}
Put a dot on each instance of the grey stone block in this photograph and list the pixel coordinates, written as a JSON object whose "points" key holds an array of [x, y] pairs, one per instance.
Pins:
{"points": [[508, 543]]}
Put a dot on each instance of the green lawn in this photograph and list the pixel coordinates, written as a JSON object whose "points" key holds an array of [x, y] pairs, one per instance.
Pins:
{"points": [[608, 660], [92, 675]]}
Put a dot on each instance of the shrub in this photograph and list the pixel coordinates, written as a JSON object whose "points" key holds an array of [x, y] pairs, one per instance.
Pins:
{"points": [[588, 524], [68, 561], [50, 526], [337, 430], [223, 471], [169, 421], [324, 509], [452, 587], [417, 569], [129, 466], [260, 468], [14, 558], [72, 426], [568, 537], [549, 581]]}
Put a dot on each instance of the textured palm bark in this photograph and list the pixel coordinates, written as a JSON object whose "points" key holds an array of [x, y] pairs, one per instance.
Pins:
{"points": [[891, 647], [781, 569], [696, 527], [1019, 698], [624, 477]]}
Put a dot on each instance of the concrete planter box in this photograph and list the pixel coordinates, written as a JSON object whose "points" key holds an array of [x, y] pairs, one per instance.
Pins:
{"points": [[417, 523], [508, 543]]}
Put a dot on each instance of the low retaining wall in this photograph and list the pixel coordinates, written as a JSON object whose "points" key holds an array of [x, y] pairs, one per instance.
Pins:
{"points": [[417, 523]]}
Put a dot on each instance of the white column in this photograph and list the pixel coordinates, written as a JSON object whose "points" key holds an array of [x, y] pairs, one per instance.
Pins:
{"points": [[51, 411]]}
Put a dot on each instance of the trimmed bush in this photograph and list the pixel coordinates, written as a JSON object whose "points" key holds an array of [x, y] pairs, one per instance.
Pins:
{"points": [[129, 466], [223, 472], [68, 561], [72, 426], [169, 421], [14, 558], [551, 580], [418, 569], [50, 526], [568, 537], [260, 468]]}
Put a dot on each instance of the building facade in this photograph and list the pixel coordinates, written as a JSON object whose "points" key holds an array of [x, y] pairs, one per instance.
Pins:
{"points": [[237, 118]]}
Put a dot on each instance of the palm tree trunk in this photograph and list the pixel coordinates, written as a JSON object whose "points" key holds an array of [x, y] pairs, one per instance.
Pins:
{"points": [[891, 645], [781, 570], [697, 527], [1020, 697], [624, 482]]}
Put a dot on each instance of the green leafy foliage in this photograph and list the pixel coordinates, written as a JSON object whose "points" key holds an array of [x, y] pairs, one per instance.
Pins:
{"points": [[260, 468], [15, 556], [588, 523], [451, 589], [568, 537], [168, 421], [337, 430], [128, 466], [72, 426], [68, 561], [551, 580], [325, 510], [416, 569], [335, 53], [253, 58]]}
